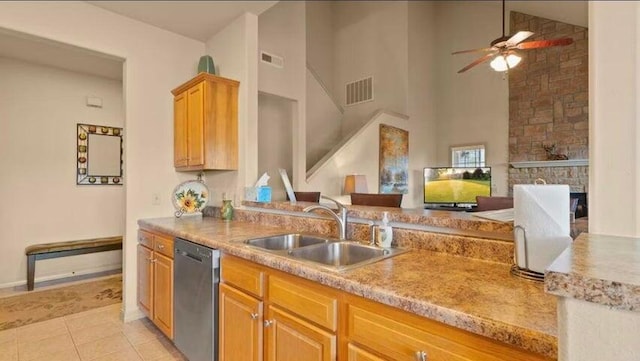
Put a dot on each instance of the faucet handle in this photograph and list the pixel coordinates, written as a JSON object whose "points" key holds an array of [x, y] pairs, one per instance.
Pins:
{"points": [[372, 231]]}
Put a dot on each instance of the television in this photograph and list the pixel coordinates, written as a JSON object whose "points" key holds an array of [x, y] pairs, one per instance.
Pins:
{"points": [[456, 186]]}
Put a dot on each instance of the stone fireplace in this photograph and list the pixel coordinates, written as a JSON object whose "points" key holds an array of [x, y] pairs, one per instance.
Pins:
{"points": [[548, 105]]}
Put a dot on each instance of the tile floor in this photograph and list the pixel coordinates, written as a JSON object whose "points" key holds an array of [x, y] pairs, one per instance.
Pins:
{"points": [[97, 335]]}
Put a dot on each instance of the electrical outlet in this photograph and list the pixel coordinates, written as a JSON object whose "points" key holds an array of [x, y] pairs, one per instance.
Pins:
{"points": [[155, 199]]}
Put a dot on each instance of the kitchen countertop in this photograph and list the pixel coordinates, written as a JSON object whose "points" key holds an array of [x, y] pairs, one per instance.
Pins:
{"points": [[446, 219], [474, 295], [599, 269]]}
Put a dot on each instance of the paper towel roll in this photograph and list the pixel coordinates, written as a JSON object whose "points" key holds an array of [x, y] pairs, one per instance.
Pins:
{"points": [[543, 212], [542, 252]]}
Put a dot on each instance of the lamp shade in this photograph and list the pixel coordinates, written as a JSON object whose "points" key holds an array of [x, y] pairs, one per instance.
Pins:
{"points": [[355, 183]]}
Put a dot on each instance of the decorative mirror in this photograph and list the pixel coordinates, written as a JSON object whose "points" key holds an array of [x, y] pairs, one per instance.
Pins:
{"points": [[99, 155]]}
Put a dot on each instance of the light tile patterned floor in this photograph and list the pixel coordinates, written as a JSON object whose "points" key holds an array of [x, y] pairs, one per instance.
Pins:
{"points": [[96, 335]]}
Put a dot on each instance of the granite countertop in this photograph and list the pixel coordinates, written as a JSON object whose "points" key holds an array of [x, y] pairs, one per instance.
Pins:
{"points": [[599, 269], [461, 223], [474, 295]]}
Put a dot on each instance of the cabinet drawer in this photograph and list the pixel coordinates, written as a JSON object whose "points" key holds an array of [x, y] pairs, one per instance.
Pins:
{"points": [[145, 238], [163, 245], [358, 354], [308, 302], [398, 340], [242, 275]]}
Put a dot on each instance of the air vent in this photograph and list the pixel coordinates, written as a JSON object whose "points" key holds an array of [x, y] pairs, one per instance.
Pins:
{"points": [[359, 91], [272, 60]]}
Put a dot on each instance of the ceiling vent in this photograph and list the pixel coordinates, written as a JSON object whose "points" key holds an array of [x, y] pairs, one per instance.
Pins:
{"points": [[272, 60], [359, 91]]}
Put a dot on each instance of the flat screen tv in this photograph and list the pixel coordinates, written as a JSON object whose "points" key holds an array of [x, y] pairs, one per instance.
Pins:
{"points": [[457, 186]]}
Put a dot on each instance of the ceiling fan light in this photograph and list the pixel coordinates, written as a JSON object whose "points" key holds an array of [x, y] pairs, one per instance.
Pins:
{"points": [[499, 64], [513, 60], [504, 63]]}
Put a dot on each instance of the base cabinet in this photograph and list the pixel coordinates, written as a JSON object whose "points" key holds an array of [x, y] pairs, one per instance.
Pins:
{"points": [[241, 328], [305, 321], [299, 317], [291, 338], [155, 279], [358, 354]]}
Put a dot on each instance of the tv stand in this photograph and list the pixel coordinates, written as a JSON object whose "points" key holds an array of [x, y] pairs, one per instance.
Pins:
{"points": [[450, 207]]}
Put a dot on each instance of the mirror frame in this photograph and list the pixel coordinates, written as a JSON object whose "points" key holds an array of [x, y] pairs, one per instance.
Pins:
{"points": [[82, 158]]}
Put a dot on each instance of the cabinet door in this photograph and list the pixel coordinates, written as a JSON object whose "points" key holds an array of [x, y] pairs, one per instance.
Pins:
{"points": [[163, 294], [145, 280], [289, 338], [358, 354], [240, 326], [195, 125], [180, 154]]}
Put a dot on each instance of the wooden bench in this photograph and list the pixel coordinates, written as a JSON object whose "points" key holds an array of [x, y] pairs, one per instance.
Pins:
{"points": [[62, 249]]}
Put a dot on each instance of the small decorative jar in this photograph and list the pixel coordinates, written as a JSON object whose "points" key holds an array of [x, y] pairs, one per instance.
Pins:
{"points": [[226, 212]]}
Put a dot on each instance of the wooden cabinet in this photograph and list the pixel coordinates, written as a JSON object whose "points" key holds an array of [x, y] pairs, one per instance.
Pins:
{"points": [[358, 354], [291, 338], [397, 335], [307, 321], [155, 279], [241, 320], [205, 111], [299, 323], [145, 280]]}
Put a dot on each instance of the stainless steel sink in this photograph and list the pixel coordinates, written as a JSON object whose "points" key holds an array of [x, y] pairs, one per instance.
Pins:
{"points": [[343, 255], [331, 254], [286, 242]]}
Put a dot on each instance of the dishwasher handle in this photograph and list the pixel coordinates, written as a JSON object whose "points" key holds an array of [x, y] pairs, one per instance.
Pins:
{"points": [[189, 255]]}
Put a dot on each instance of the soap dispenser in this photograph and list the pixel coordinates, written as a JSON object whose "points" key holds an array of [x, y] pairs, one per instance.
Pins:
{"points": [[385, 232]]}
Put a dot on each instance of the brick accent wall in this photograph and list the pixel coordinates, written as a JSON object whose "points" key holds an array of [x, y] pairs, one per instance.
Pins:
{"points": [[549, 103]]}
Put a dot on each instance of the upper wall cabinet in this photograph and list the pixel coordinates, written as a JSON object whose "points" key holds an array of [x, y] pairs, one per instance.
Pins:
{"points": [[205, 112]]}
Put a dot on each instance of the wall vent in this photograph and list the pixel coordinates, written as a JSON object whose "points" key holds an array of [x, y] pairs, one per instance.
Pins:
{"points": [[359, 91], [271, 59]]}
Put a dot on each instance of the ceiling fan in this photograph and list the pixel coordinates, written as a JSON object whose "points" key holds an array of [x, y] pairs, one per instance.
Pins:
{"points": [[503, 49]]}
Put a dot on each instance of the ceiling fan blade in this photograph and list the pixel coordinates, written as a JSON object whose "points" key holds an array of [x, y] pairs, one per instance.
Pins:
{"points": [[520, 36], [544, 43], [473, 50], [476, 62]]}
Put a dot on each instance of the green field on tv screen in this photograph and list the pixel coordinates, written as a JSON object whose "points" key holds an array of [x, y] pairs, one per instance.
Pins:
{"points": [[456, 190]]}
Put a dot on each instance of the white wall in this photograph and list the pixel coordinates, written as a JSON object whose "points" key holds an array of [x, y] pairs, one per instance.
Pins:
{"points": [[422, 94], [593, 332], [370, 39], [235, 53], [473, 107], [324, 121], [414, 41], [156, 62], [355, 158], [320, 47], [282, 32], [275, 118], [40, 107], [614, 174]]}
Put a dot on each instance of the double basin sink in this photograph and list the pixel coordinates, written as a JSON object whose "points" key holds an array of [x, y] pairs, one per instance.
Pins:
{"points": [[324, 252]]}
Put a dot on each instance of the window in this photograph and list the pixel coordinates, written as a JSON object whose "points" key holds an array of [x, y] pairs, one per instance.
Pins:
{"points": [[468, 156]]}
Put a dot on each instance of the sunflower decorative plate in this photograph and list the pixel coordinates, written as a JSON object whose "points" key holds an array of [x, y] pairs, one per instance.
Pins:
{"points": [[190, 197]]}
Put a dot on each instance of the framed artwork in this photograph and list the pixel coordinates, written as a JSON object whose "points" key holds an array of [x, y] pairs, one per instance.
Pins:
{"points": [[394, 160]]}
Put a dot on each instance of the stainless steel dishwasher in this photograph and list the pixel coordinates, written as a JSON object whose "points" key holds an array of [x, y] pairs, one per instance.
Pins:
{"points": [[195, 300]]}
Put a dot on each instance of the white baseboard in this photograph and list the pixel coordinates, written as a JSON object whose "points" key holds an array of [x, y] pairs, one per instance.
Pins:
{"points": [[130, 315], [87, 271]]}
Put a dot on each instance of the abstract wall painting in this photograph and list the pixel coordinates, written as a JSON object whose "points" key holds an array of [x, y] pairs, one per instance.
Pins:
{"points": [[394, 160]]}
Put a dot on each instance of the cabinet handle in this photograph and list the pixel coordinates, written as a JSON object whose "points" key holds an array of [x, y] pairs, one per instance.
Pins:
{"points": [[161, 246], [421, 356], [254, 316], [268, 323]]}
